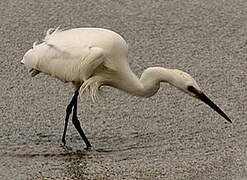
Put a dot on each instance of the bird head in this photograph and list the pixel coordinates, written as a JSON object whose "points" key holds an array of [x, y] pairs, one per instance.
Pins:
{"points": [[187, 84], [182, 81]]}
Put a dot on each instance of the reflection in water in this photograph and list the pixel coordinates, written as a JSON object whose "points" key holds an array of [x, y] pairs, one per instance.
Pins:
{"points": [[69, 154], [69, 162], [78, 153]]}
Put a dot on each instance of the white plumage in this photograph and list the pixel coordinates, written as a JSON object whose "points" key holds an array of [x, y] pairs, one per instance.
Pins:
{"points": [[78, 54], [92, 57]]}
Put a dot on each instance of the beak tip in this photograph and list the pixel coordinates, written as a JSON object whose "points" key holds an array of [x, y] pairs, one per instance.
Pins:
{"points": [[226, 118], [206, 100], [229, 120]]}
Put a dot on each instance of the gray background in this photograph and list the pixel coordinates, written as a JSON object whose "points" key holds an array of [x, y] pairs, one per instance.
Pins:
{"points": [[168, 136]]}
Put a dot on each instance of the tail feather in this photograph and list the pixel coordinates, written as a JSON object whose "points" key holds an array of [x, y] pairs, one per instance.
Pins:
{"points": [[92, 84]]}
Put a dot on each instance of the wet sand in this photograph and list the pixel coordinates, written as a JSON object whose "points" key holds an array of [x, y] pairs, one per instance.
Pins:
{"points": [[169, 136]]}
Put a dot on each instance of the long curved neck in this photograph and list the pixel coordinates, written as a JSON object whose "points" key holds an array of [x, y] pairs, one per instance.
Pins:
{"points": [[149, 82]]}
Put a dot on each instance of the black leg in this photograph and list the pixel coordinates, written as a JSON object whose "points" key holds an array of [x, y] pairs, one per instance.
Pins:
{"points": [[76, 122], [68, 112]]}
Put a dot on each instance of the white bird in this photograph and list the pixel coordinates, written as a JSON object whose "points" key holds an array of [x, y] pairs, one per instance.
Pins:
{"points": [[90, 58]]}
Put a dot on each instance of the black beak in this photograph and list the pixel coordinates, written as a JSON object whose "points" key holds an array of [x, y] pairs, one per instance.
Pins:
{"points": [[200, 95]]}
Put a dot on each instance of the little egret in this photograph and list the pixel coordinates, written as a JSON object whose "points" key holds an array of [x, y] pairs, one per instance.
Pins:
{"points": [[90, 58]]}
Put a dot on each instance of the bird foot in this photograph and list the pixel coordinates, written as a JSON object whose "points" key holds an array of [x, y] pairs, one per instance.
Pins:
{"points": [[64, 142], [67, 148], [89, 148]]}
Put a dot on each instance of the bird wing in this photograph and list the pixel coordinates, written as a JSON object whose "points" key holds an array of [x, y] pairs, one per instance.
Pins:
{"points": [[91, 62]]}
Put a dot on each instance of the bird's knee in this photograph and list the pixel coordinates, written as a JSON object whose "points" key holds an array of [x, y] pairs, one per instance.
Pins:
{"points": [[69, 109], [75, 121]]}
